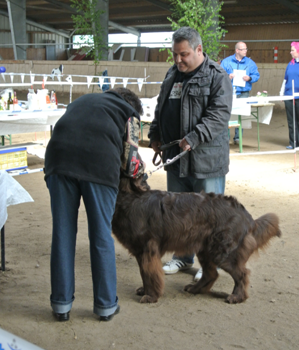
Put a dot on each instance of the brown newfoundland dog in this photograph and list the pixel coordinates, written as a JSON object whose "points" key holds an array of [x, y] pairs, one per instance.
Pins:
{"points": [[217, 228]]}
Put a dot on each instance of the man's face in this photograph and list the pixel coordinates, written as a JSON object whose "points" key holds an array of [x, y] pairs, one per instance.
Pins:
{"points": [[185, 58], [241, 50]]}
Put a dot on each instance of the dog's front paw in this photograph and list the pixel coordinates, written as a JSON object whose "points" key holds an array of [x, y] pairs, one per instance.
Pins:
{"points": [[148, 299], [140, 291], [191, 288], [235, 299]]}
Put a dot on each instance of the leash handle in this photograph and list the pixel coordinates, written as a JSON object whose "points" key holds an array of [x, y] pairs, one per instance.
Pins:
{"points": [[155, 162], [174, 159], [168, 161], [170, 144]]}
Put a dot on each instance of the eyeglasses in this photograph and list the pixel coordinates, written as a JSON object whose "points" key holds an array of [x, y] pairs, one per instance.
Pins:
{"points": [[243, 49]]}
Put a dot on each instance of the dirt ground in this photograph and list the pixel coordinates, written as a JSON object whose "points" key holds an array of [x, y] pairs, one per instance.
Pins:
{"points": [[267, 320]]}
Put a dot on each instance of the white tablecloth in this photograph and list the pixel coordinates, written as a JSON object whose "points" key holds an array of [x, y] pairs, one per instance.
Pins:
{"points": [[28, 121], [245, 109], [11, 193]]}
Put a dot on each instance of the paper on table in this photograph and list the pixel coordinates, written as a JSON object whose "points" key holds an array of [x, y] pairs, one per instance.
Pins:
{"points": [[11, 193], [238, 79]]}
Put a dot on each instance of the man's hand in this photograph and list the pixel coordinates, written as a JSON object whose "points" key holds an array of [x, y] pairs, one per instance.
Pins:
{"points": [[155, 145], [185, 145], [231, 76], [246, 77]]}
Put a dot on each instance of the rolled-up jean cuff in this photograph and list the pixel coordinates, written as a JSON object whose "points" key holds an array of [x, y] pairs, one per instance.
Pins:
{"points": [[61, 307], [105, 311]]}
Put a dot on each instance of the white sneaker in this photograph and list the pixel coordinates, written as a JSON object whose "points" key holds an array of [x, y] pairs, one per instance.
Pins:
{"points": [[198, 275], [175, 265]]}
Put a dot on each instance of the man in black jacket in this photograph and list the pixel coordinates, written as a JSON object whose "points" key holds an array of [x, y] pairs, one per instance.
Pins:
{"points": [[91, 142], [194, 106]]}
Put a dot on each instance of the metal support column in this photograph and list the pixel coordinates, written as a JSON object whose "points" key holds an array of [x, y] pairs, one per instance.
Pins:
{"points": [[2, 250], [17, 22]]}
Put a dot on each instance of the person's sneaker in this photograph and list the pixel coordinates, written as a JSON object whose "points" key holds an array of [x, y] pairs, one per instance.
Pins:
{"points": [[236, 141], [289, 147], [198, 275], [175, 265]]}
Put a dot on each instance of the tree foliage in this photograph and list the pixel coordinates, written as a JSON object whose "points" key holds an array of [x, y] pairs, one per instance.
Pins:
{"points": [[87, 22], [203, 16]]}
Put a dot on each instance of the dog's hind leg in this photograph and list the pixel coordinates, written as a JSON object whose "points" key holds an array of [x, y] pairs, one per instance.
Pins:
{"points": [[209, 276], [151, 273], [240, 275]]}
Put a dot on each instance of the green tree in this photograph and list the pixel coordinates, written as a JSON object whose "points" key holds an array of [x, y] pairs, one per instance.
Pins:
{"points": [[87, 23], [204, 16]]}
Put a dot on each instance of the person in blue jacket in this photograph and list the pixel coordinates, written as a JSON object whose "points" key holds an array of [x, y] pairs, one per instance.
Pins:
{"points": [[292, 73], [239, 61]]}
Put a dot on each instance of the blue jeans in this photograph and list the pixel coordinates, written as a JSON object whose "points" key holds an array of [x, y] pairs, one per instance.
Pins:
{"points": [[99, 201], [191, 184], [241, 95]]}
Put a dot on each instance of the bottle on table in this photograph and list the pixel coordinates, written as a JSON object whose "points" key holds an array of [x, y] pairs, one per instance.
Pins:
{"points": [[53, 99], [15, 102], [9, 104]]}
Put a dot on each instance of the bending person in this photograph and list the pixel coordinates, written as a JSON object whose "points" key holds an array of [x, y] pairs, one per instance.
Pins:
{"points": [[97, 135]]}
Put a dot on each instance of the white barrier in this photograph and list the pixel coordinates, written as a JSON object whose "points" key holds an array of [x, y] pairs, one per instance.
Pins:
{"points": [[9, 341]]}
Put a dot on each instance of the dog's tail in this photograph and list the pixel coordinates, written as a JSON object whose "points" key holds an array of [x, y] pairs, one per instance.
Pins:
{"points": [[266, 227]]}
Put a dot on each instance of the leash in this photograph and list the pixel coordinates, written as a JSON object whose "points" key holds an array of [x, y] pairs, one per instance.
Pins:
{"points": [[162, 148], [168, 161]]}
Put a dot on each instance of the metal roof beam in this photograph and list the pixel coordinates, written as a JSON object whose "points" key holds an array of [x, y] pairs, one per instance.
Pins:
{"points": [[41, 26], [289, 4], [110, 23], [124, 29], [160, 4]]}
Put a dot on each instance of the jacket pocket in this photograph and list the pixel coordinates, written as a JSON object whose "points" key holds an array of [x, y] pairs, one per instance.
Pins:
{"points": [[210, 158], [198, 98]]}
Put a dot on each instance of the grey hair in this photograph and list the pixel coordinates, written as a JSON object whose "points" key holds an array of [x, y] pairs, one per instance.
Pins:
{"points": [[189, 34]]}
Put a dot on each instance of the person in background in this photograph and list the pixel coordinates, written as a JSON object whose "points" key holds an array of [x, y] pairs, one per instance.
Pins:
{"points": [[292, 73], [194, 107], [239, 61], [95, 138]]}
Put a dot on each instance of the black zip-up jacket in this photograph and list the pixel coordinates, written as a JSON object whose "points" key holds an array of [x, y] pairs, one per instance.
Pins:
{"points": [[206, 104], [88, 140]]}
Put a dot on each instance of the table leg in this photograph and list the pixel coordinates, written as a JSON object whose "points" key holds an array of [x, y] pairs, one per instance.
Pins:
{"points": [[141, 131], [258, 128], [240, 134], [2, 250]]}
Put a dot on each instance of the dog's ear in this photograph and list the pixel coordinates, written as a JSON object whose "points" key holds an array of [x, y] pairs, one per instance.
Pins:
{"points": [[125, 184]]}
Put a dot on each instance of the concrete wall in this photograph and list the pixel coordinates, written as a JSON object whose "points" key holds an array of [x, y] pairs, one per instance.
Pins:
{"points": [[271, 78]]}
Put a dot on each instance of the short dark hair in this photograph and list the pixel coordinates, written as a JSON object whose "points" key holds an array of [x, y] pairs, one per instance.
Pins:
{"points": [[189, 34], [130, 97]]}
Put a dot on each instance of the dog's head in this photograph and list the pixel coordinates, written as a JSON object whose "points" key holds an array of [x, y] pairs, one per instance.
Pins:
{"points": [[130, 184]]}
